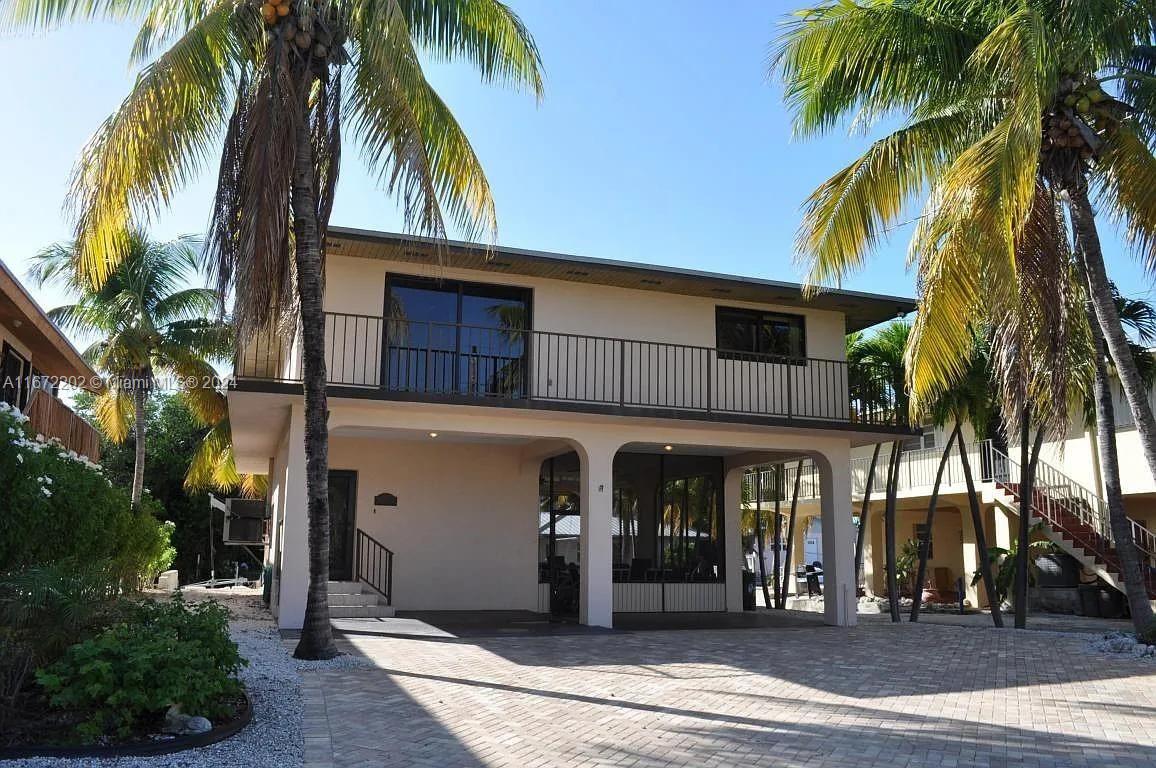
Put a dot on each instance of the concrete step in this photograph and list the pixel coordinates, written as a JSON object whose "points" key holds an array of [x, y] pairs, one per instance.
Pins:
{"points": [[360, 611], [345, 588], [359, 598]]}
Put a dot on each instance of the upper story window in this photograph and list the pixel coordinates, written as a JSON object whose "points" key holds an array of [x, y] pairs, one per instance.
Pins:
{"points": [[14, 372], [924, 441], [755, 332]]}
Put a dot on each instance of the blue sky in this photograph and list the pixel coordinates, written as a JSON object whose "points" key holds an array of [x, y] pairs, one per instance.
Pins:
{"points": [[661, 139]]}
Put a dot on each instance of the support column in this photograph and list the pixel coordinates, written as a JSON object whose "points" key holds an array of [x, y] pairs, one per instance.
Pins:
{"points": [[733, 538], [1003, 527], [596, 604], [839, 600], [869, 553], [974, 594], [294, 578]]}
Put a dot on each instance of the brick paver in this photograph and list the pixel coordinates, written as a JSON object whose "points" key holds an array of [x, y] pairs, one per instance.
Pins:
{"points": [[876, 695]]}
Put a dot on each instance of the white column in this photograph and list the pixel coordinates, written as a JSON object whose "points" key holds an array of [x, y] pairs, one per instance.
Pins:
{"points": [[974, 594], [869, 554], [733, 538], [596, 607], [294, 581], [839, 601]]}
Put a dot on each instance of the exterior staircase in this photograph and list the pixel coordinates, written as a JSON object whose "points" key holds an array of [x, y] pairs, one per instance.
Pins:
{"points": [[355, 600], [1073, 517]]}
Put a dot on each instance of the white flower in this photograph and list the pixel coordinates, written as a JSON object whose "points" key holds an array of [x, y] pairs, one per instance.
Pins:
{"points": [[46, 492], [20, 458]]}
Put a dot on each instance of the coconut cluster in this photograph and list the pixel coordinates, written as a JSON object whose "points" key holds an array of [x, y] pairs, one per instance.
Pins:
{"points": [[1080, 107], [281, 19]]}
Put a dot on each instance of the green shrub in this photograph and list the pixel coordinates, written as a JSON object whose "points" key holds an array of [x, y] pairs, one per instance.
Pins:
{"points": [[58, 506], [45, 610], [126, 677]]}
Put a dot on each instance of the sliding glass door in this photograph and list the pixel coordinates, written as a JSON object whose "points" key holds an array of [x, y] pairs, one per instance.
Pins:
{"points": [[454, 338]]}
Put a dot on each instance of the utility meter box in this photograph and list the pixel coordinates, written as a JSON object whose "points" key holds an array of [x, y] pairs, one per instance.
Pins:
{"points": [[245, 522]]}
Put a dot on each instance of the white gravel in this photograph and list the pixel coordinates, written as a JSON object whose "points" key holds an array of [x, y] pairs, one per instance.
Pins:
{"points": [[1123, 643], [273, 737]]}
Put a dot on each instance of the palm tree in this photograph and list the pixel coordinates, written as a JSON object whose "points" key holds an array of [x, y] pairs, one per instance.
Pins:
{"points": [[1141, 318], [281, 81], [147, 323], [1009, 110], [970, 401], [781, 602], [884, 355]]}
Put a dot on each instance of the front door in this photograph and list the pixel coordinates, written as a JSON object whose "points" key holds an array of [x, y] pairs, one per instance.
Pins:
{"points": [[342, 522]]}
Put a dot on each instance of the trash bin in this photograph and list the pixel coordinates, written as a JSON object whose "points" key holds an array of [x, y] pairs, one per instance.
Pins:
{"points": [[1111, 603], [267, 585], [1089, 600], [748, 591]]}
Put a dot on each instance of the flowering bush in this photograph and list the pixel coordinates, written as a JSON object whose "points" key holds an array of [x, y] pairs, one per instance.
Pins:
{"points": [[56, 505]]}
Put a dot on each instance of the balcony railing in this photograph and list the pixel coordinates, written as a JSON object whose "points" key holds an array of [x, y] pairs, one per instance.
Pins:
{"points": [[48, 416], [460, 362]]}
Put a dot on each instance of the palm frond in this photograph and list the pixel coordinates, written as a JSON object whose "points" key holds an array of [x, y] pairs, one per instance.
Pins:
{"points": [[113, 411], [485, 32], [157, 140]]}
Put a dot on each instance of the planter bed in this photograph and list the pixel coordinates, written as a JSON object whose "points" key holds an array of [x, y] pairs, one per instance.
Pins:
{"points": [[160, 745]]}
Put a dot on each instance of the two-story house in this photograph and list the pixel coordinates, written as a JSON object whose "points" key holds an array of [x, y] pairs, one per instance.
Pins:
{"points": [[35, 359], [520, 430]]}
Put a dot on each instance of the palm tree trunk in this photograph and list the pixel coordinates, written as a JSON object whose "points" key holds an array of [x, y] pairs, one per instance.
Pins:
{"points": [[861, 534], [779, 577], [1029, 459], [316, 633], [889, 529], [791, 534], [139, 396], [1130, 566], [760, 547], [987, 577], [1104, 305], [925, 545]]}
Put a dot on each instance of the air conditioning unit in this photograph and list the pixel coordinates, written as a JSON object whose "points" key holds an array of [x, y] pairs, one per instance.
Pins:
{"points": [[245, 522]]}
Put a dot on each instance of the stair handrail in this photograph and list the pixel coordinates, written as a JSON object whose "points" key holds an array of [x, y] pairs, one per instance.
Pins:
{"points": [[1056, 489], [373, 565]]}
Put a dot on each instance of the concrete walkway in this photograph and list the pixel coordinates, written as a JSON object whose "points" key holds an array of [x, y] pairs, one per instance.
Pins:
{"points": [[876, 695]]}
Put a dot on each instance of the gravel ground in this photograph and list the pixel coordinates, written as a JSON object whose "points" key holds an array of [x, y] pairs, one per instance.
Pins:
{"points": [[273, 738]]}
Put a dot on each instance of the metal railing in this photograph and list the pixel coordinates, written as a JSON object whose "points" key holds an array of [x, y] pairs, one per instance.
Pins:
{"points": [[486, 363], [1056, 495], [373, 565]]}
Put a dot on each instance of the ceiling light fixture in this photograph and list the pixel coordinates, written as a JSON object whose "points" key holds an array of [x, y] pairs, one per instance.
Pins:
{"points": [[668, 447], [433, 434]]}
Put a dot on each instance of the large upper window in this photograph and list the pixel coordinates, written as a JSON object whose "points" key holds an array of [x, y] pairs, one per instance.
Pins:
{"points": [[453, 337], [740, 332]]}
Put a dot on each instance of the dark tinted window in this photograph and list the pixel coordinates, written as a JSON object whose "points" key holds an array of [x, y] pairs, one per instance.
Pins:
{"points": [[760, 333]]}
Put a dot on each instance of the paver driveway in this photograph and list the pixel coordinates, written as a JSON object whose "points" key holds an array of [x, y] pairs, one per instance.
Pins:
{"points": [[876, 695]]}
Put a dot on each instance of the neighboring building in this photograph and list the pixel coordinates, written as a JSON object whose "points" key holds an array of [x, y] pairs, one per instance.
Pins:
{"points": [[1070, 499], [524, 430], [35, 358]]}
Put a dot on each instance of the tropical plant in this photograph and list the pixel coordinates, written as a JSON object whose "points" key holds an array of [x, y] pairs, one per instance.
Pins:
{"points": [[281, 82], [131, 673], [969, 400], [57, 506], [883, 355], [1100, 414], [1006, 564], [1010, 111], [45, 609], [147, 322], [791, 520]]}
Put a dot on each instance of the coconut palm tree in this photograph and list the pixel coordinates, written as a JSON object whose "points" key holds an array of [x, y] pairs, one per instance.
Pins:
{"points": [[147, 323], [1007, 110], [286, 83]]}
